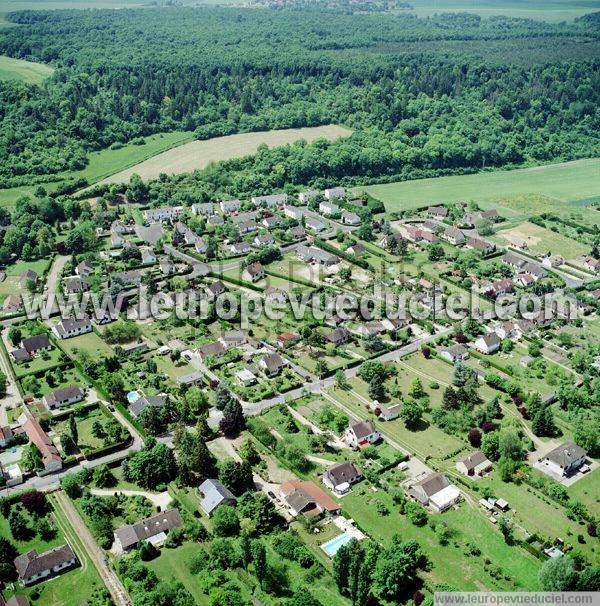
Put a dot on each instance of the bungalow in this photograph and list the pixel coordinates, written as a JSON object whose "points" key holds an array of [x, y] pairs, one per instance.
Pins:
{"points": [[50, 458], [28, 277], [75, 284], [264, 240], [153, 529], [247, 227], [307, 498], [116, 240], [437, 212], [335, 193], [128, 279], [233, 338], [537, 271], [499, 287], [200, 246], [240, 248], [328, 208], [454, 236], [204, 209], [211, 350], [72, 327], [271, 222], [361, 434], [272, 364], [254, 272], [167, 267], [373, 327], [213, 495], [63, 397], [84, 269], [340, 478], [189, 237], [314, 224], [215, 220], [436, 491], [525, 280], [485, 248], [294, 212], [310, 253], [137, 407], [491, 214], [215, 289], [245, 377], [506, 330], [229, 206], [306, 196], [191, 379], [32, 567], [553, 261], [118, 227], [148, 256], [356, 249], [564, 460], [297, 233], [349, 218], [514, 261], [488, 343], [455, 353], [475, 464], [592, 264], [270, 201], [151, 234], [166, 213], [469, 220], [287, 339], [339, 336], [387, 413], [33, 345], [12, 304]]}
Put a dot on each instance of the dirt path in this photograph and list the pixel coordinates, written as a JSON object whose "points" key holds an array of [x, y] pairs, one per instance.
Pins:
{"points": [[160, 499], [109, 577]]}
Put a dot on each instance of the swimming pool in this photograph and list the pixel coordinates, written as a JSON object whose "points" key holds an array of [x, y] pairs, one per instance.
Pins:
{"points": [[332, 546], [133, 396]]}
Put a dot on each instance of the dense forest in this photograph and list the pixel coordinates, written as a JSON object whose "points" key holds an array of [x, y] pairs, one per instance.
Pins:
{"points": [[128, 73]]}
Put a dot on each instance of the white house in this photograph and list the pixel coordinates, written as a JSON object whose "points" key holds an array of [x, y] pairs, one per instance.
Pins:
{"points": [[72, 327], [270, 201], [436, 491], [293, 212], [229, 206], [306, 196], [328, 208], [245, 377], [32, 567], [335, 193], [166, 213], [63, 397], [488, 343], [254, 272], [349, 218], [361, 434], [340, 478], [565, 459]]}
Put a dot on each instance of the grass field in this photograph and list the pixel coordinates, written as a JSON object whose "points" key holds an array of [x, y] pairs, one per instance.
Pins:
{"points": [[199, 154], [24, 71], [560, 188]]}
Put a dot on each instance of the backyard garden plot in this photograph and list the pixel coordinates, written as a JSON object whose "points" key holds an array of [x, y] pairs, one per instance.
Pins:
{"points": [[541, 241], [587, 490], [12, 275], [52, 380], [90, 344]]}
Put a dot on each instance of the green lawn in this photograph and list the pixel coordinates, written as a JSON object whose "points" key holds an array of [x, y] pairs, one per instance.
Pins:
{"points": [[39, 363], [90, 343], [23, 71], [587, 490], [10, 284], [564, 186]]}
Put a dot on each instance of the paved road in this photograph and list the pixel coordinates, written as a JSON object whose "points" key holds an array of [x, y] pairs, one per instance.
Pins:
{"points": [[109, 576]]}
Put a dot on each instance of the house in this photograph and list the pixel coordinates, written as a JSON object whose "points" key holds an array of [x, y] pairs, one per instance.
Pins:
{"points": [[32, 567], [63, 397], [314, 224], [148, 256], [387, 413], [373, 327], [151, 234], [335, 193], [294, 212], [272, 221], [340, 478], [356, 249], [272, 364], [204, 209], [339, 336], [454, 236], [537, 271], [137, 407], [297, 233], [12, 304], [50, 458], [276, 295], [506, 330], [153, 529], [514, 261], [349, 218], [215, 220], [264, 240], [469, 219], [17, 600], [118, 227], [190, 380], [287, 339], [455, 353], [33, 345], [306, 196], [307, 498], [75, 284], [72, 327], [200, 246], [211, 350], [475, 464], [310, 254], [165, 213], [525, 280], [488, 343], [240, 248], [230, 206], [437, 212], [328, 208], [254, 272], [565, 459], [270, 201], [247, 227], [499, 287], [6, 436], [27, 277], [553, 261], [213, 495], [189, 237], [436, 491], [491, 215], [245, 377], [592, 264], [233, 338], [128, 279], [215, 289], [84, 269], [167, 267], [361, 434], [485, 248]]}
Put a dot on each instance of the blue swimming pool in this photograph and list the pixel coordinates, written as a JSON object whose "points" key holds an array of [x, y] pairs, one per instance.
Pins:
{"points": [[132, 396], [332, 547]]}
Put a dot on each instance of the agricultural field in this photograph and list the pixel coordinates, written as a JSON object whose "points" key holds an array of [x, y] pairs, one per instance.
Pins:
{"points": [[199, 154], [559, 188], [24, 71]]}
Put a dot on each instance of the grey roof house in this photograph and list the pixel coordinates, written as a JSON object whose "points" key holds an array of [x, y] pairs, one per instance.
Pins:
{"points": [[213, 494]]}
